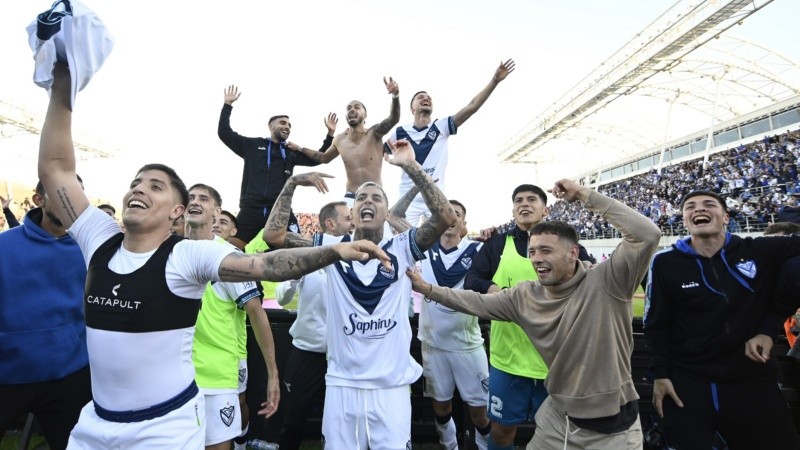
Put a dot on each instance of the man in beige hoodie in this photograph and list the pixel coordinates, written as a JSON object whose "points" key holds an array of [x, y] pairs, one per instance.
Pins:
{"points": [[579, 318]]}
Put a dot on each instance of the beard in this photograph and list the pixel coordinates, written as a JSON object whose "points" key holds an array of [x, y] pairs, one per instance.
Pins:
{"points": [[53, 218]]}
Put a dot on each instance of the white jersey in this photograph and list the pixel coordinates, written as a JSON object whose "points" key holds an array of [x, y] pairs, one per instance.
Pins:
{"points": [[369, 335], [439, 326], [133, 371], [430, 148], [309, 328]]}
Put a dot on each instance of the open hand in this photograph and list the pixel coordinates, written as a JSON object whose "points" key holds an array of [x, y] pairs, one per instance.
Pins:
{"points": [[231, 94], [505, 68]]}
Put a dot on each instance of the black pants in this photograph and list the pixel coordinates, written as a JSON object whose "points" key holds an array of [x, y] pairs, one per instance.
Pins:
{"points": [[746, 415], [302, 385], [56, 404], [252, 220]]}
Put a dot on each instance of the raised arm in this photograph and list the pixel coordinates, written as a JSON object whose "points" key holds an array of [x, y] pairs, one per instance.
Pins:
{"points": [[442, 213], [288, 264], [11, 219], [275, 233], [475, 104], [57, 154], [640, 236], [386, 125], [231, 139], [397, 214]]}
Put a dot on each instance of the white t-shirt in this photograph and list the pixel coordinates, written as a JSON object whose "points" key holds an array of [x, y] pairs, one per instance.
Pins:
{"points": [[133, 371], [440, 326], [430, 147], [309, 328], [369, 335]]}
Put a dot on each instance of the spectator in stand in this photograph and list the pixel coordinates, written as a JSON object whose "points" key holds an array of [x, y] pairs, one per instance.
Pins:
{"points": [[748, 173], [790, 212]]}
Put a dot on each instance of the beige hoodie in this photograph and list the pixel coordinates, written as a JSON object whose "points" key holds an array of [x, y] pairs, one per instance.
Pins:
{"points": [[583, 327]]}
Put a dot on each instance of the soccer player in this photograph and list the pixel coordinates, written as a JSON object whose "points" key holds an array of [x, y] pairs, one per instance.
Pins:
{"points": [[429, 137], [215, 352], [361, 148], [367, 402], [143, 292], [579, 318]]}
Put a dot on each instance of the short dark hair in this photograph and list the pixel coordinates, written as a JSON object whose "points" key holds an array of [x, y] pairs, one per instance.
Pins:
{"points": [[530, 188], [463, 208], [557, 227], [230, 216], [281, 116], [706, 192], [329, 212], [39, 189], [362, 105], [174, 180], [411, 105], [107, 206], [782, 229], [372, 183], [214, 193]]}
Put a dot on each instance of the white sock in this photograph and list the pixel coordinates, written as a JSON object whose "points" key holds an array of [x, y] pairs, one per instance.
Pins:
{"points": [[481, 440], [447, 434]]}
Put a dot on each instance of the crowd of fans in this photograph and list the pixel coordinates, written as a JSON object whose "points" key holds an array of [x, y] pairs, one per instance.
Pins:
{"points": [[757, 180]]}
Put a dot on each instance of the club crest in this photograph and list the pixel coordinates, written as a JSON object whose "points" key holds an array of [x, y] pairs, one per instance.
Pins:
{"points": [[226, 414], [747, 268], [387, 273], [466, 262]]}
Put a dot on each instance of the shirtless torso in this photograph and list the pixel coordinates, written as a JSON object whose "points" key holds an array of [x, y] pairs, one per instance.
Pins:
{"points": [[361, 149], [362, 154]]}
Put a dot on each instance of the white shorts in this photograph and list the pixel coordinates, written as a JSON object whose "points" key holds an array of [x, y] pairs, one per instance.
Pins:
{"points": [[183, 428], [223, 418], [444, 371], [357, 419], [243, 376], [416, 212]]}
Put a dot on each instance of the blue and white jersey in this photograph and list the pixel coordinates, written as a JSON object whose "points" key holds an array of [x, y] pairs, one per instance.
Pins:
{"points": [[369, 336], [430, 148], [440, 326]]}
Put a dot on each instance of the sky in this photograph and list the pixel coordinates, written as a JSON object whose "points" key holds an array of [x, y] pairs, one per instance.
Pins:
{"points": [[158, 96]]}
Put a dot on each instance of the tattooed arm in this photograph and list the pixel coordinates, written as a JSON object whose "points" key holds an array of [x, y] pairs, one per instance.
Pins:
{"points": [[319, 157], [288, 264], [57, 154], [442, 213], [397, 214], [275, 233], [386, 125]]}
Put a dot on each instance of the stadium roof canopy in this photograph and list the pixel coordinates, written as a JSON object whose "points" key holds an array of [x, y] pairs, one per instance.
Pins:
{"points": [[681, 74]]}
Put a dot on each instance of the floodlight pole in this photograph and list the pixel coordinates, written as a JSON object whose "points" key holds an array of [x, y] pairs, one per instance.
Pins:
{"points": [[710, 136], [666, 133]]}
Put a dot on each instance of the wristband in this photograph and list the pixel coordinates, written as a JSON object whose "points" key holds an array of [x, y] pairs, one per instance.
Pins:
{"points": [[395, 95]]}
